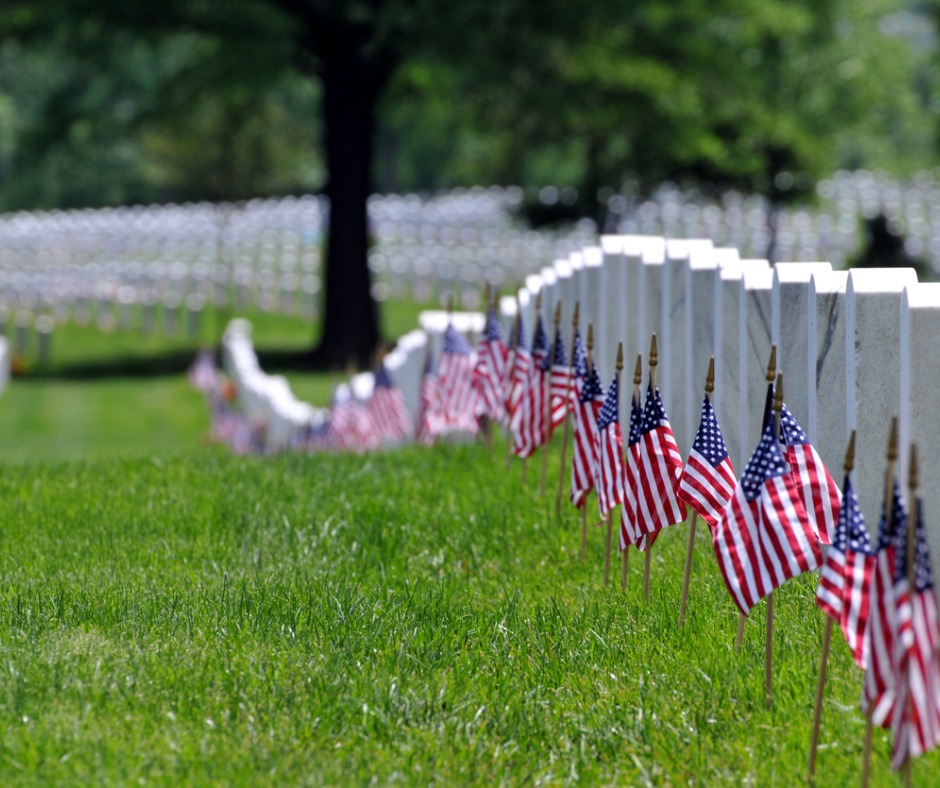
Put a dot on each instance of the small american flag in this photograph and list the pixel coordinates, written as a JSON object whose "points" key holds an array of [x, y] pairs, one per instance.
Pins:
{"points": [[879, 692], [519, 380], [456, 376], [387, 408], [590, 400], [559, 383], [609, 474], [490, 370], [659, 469], [845, 579], [821, 497], [430, 406], [916, 719], [531, 432], [629, 513], [764, 537], [708, 481]]}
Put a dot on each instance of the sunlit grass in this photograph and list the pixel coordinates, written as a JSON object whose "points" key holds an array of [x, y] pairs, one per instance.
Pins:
{"points": [[414, 616]]}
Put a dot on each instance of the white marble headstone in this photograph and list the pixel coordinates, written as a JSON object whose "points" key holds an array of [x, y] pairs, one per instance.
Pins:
{"points": [[920, 381], [700, 321], [790, 308], [825, 421], [675, 377], [593, 302], [873, 368], [755, 352]]}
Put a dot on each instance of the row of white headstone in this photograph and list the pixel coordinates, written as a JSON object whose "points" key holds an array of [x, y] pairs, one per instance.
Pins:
{"points": [[855, 347]]}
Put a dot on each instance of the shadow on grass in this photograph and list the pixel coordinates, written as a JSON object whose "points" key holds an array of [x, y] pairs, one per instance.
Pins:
{"points": [[173, 362]]}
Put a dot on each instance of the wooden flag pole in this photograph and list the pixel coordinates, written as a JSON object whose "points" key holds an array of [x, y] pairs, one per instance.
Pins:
{"points": [[564, 437], [770, 377], [637, 381], [610, 515], [769, 645], [709, 388], [824, 656], [892, 457], [584, 506], [654, 362], [912, 523], [547, 433]]}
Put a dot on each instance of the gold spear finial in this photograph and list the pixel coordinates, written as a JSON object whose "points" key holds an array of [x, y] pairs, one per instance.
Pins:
{"points": [[619, 357], [577, 314], [893, 440], [590, 340], [638, 370], [772, 364], [557, 315], [710, 377], [912, 471], [654, 354], [778, 394], [850, 454]]}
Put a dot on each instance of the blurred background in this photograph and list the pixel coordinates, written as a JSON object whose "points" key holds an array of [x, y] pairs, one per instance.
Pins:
{"points": [[328, 169]]}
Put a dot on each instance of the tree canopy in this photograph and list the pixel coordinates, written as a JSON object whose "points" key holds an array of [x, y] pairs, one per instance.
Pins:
{"points": [[107, 101]]}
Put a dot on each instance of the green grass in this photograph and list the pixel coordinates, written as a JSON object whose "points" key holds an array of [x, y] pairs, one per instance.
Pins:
{"points": [[71, 420], [409, 617], [124, 394]]}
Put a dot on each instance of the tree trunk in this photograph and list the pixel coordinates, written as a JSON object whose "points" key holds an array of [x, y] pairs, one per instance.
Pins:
{"points": [[351, 88]]}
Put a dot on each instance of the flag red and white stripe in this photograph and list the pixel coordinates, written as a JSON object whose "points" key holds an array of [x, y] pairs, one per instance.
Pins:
{"points": [[844, 587], [821, 496], [708, 482], [764, 537], [659, 470], [588, 403], [879, 692], [609, 474], [455, 371], [916, 719]]}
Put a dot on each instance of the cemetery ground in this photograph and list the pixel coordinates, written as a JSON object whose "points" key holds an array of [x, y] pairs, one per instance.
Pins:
{"points": [[125, 393], [410, 616]]}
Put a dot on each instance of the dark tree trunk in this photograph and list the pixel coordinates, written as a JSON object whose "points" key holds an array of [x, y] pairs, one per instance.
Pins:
{"points": [[352, 83]]}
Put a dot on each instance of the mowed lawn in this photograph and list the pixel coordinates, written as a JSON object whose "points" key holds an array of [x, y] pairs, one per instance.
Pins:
{"points": [[415, 616]]}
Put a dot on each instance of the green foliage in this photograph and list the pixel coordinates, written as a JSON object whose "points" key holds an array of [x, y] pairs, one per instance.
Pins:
{"points": [[106, 102], [411, 616]]}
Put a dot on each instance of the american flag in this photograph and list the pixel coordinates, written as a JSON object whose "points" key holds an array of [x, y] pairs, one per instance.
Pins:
{"points": [[387, 408], [845, 579], [629, 513], [764, 537], [351, 425], [821, 497], [590, 400], [916, 720], [531, 432], [519, 380], [430, 406], [609, 473], [659, 469], [879, 691], [708, 481], [490, 370], [559, 383], [456, 375]]}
